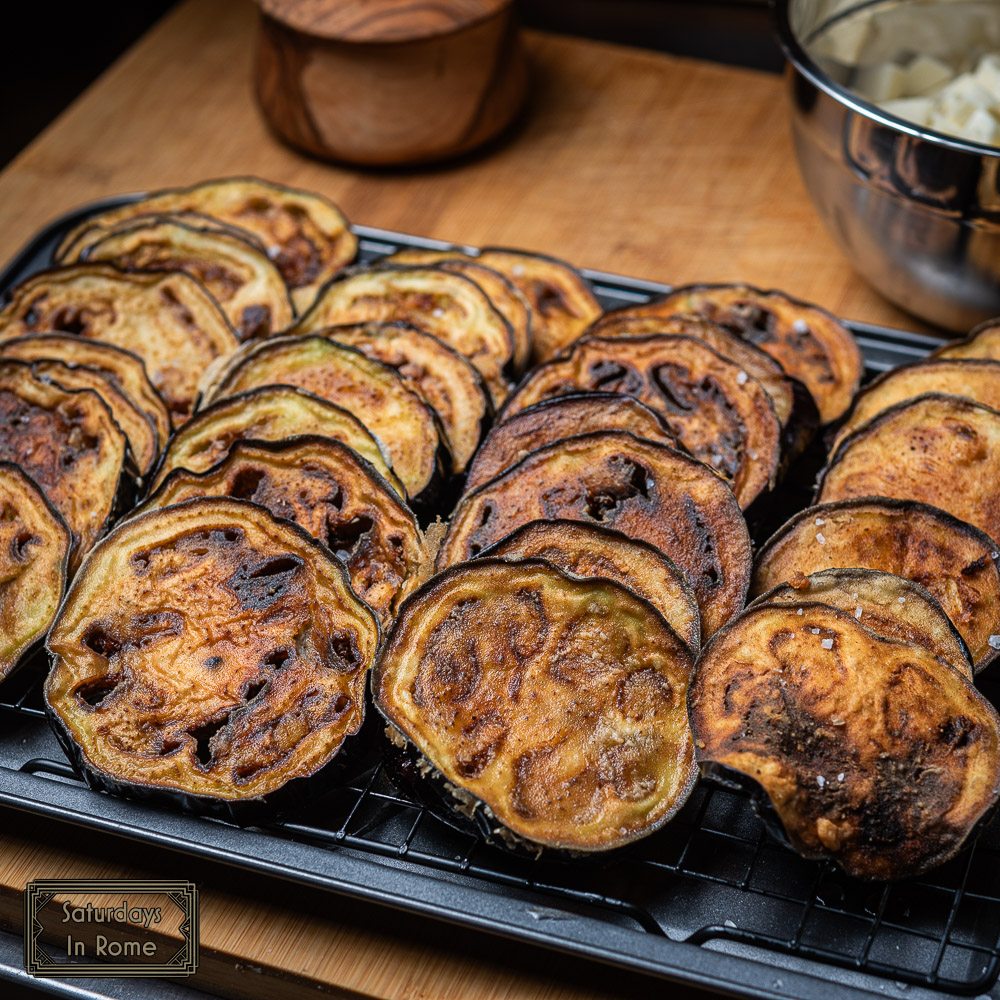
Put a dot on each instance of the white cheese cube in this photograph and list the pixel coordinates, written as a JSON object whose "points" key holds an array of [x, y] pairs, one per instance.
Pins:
{"points": [[845, 41], [956, 102], [981, 127], [881, 82], [988, 75], [911, 109], [924, 74]]}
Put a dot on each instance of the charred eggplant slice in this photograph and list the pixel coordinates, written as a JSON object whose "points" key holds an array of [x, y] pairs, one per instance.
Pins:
{"points": [[271, 413], [306, 235], [718, 412], [810, 343], [375, 393], [445, 378], [551, 709], [35, 542], [977, 380], [941, 450], [589, 550], [957, 563], [561, 417], [982, 343], [888, 605], [210, 656], [122, 367], [331, 492], [645, 490], [246, 284], [168, 319], [448, 305], [874, 753]]}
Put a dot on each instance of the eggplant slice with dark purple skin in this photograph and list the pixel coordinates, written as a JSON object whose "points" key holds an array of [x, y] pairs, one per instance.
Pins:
{"points": [[305, 234], [982, 343], [957, 563], [718, 412], [941, 450], [811, 344], [645, 490], [888, 605], [445, 378], [331, 492], [548, 710], [168, 319], [589, 550], [243, 280], [378, 395], [209, 656], [874, 753], [271, 413], [35, 542], [561, 417]]}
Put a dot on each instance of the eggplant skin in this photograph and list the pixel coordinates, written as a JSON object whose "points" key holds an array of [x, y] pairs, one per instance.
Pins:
{"points": [[874, 753], [645, 490], [35, 543], [554, 706], [983, 343], [957, 563], [209, 656], [331, 492]]}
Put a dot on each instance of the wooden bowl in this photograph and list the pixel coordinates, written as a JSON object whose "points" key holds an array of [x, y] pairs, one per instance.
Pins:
{"points": [[386, 82]]}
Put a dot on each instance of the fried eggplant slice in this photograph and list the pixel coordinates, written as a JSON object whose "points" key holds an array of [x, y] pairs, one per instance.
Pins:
{"points": [[35, 543], [67, 441], [550, 708], [331, 492], [375, 393], [123, 367], [271, 413], [564, 416], [643, 489], [136, 425], [874, 753], [977, 380], [942, 450], [243, 280], [983, 343], [889, 605], [957, 563], [448, 305], [305, 234], [590, 550], [718, 412], [168, 319], [445, 378], [210, 656], [811, 344]]}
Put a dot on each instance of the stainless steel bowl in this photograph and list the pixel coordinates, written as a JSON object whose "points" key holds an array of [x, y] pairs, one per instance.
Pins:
{"points": [[917, 212]]}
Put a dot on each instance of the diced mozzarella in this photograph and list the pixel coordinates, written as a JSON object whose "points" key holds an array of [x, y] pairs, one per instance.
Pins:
{"points": [[910, 109], [881, 82], [988, 75], [980, 127], [925, 74]]}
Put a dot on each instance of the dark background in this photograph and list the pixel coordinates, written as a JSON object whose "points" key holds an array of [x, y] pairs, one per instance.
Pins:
{"points": [[54, 51]]}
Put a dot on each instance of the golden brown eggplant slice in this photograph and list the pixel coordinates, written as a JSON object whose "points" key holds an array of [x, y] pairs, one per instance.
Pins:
{"points": [[331, 492], [445, 378], [874, 753], [590, 550], [645, 490], [811, 344], [890, 606], [975, 379], [271, 413], [305, 234], [564, 416], [123, 367], [375, 393], [983, 343], [169, 320], [718, 412], [448, 305], [136, 425], [35, 543], [246, 284], [550, 708], [209, 655], [67, 441], [942, 450]]}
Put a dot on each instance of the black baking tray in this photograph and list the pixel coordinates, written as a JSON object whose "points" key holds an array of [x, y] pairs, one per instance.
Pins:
{"points": [[711, 900]]}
